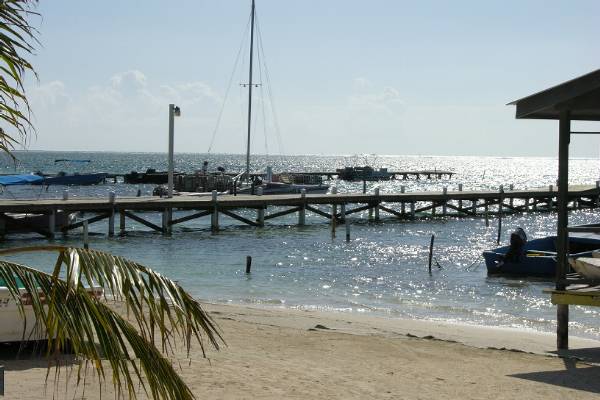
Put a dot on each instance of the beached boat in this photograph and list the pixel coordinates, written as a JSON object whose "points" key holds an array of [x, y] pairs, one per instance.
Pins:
{"points": [[536, 257], [72, 179], [12, 328]]}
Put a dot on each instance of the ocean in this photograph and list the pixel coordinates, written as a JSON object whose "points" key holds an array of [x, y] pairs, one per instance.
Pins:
{"points": [[381, 271]]}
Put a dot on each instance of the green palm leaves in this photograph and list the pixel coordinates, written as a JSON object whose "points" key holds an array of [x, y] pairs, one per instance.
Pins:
{"points": [[16, 38], [161, 310]]}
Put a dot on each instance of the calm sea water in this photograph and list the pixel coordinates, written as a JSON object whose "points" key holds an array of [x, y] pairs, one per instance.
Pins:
{"points": [[382, 271]]}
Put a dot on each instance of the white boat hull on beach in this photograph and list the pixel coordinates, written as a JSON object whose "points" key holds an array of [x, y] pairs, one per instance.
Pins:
{"points": [[15, 328]]}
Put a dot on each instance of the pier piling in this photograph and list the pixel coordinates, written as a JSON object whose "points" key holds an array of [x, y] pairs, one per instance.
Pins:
{"points": [[302, 211], [214, 219], [347, 226], [376, 208], [122, 222], [248, 264], [111, 218], [431, 251], [260, 212], [51, 223], [86, 237]]}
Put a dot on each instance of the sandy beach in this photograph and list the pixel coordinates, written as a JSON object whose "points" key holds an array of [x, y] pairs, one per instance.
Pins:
{"points": [[280, 354]]}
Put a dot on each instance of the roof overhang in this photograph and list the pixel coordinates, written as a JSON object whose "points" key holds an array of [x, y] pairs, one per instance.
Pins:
{"points": [[579, 96]]}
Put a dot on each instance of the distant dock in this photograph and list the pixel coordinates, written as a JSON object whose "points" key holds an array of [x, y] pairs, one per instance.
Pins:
{"points": [[334, 207], [400, 175]]}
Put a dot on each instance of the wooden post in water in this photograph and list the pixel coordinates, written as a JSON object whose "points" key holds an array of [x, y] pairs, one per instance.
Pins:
{"points": [[111, 218], [474, 206], [122, 222], [347, 226], [500, 207], [52, 223], [302, 211], [364, 186], [511, 188], [460, 203], [486, 212], [402, 207], [214, 220], [86, 238], [376, 208], [431, 251], [551, 198], [248, 264], [260, 213], [333, 213], [166, 221], [444, 208]]}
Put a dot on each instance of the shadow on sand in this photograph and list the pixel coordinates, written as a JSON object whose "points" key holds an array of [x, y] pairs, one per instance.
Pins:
{"points": [[19, 356], [576, 375]]}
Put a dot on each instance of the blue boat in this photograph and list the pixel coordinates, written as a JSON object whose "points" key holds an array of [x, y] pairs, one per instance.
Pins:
{"points": [[25, 179], [536, 257], [75, 179]]}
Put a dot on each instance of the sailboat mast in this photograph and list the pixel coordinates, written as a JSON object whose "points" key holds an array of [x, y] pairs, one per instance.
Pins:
{"points": [[250, 92]]}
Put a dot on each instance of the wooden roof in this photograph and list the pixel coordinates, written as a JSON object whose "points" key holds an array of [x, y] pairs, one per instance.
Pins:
{"points": [[580, 96]]}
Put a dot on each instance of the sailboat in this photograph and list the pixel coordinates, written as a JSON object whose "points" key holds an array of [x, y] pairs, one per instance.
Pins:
{"points": [[268, 185]]}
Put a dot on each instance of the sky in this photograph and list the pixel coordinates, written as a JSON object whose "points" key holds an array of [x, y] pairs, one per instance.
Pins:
{"points": [[346, 76]]}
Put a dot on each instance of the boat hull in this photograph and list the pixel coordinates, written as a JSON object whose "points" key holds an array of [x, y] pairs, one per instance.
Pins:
{"points": [[275, 188], [73, 180], [539, 258]]}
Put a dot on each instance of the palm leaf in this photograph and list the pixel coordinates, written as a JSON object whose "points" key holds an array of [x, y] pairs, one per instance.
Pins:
{"points": [[17, 40], [161, 310]]}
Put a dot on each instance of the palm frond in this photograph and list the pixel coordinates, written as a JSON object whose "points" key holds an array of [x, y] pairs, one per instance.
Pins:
{"points": [[17, 40], [162, 311]]}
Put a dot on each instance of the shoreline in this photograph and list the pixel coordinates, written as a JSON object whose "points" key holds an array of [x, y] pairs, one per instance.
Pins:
{"points": [[471, 335]]}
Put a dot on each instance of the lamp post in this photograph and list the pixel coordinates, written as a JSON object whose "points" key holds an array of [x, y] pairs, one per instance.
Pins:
{"points": [[174, 111]]}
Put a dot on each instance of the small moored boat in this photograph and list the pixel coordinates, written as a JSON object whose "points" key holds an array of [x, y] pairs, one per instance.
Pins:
{"points": [[535, 257]]}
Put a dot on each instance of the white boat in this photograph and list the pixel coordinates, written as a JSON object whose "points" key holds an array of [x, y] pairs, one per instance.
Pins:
{"points": [[12, 324], [588, 267]]}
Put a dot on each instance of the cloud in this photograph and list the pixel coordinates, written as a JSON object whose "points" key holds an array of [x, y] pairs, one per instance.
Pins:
{"points": [[126, 112]]}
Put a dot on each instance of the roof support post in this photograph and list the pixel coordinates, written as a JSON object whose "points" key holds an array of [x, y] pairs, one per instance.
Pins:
{"points": [[562, 240]]}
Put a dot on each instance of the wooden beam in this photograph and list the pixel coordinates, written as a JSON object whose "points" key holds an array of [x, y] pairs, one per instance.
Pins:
{"points": [[282, 213], [317, 211], [89, 221], [358, 209], [239, 218], [143, 221], [190, 217], [567, 298]]}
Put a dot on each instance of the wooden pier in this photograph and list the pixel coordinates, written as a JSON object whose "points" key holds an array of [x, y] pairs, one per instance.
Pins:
{"points": [[333, 207], [403, 175]]}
